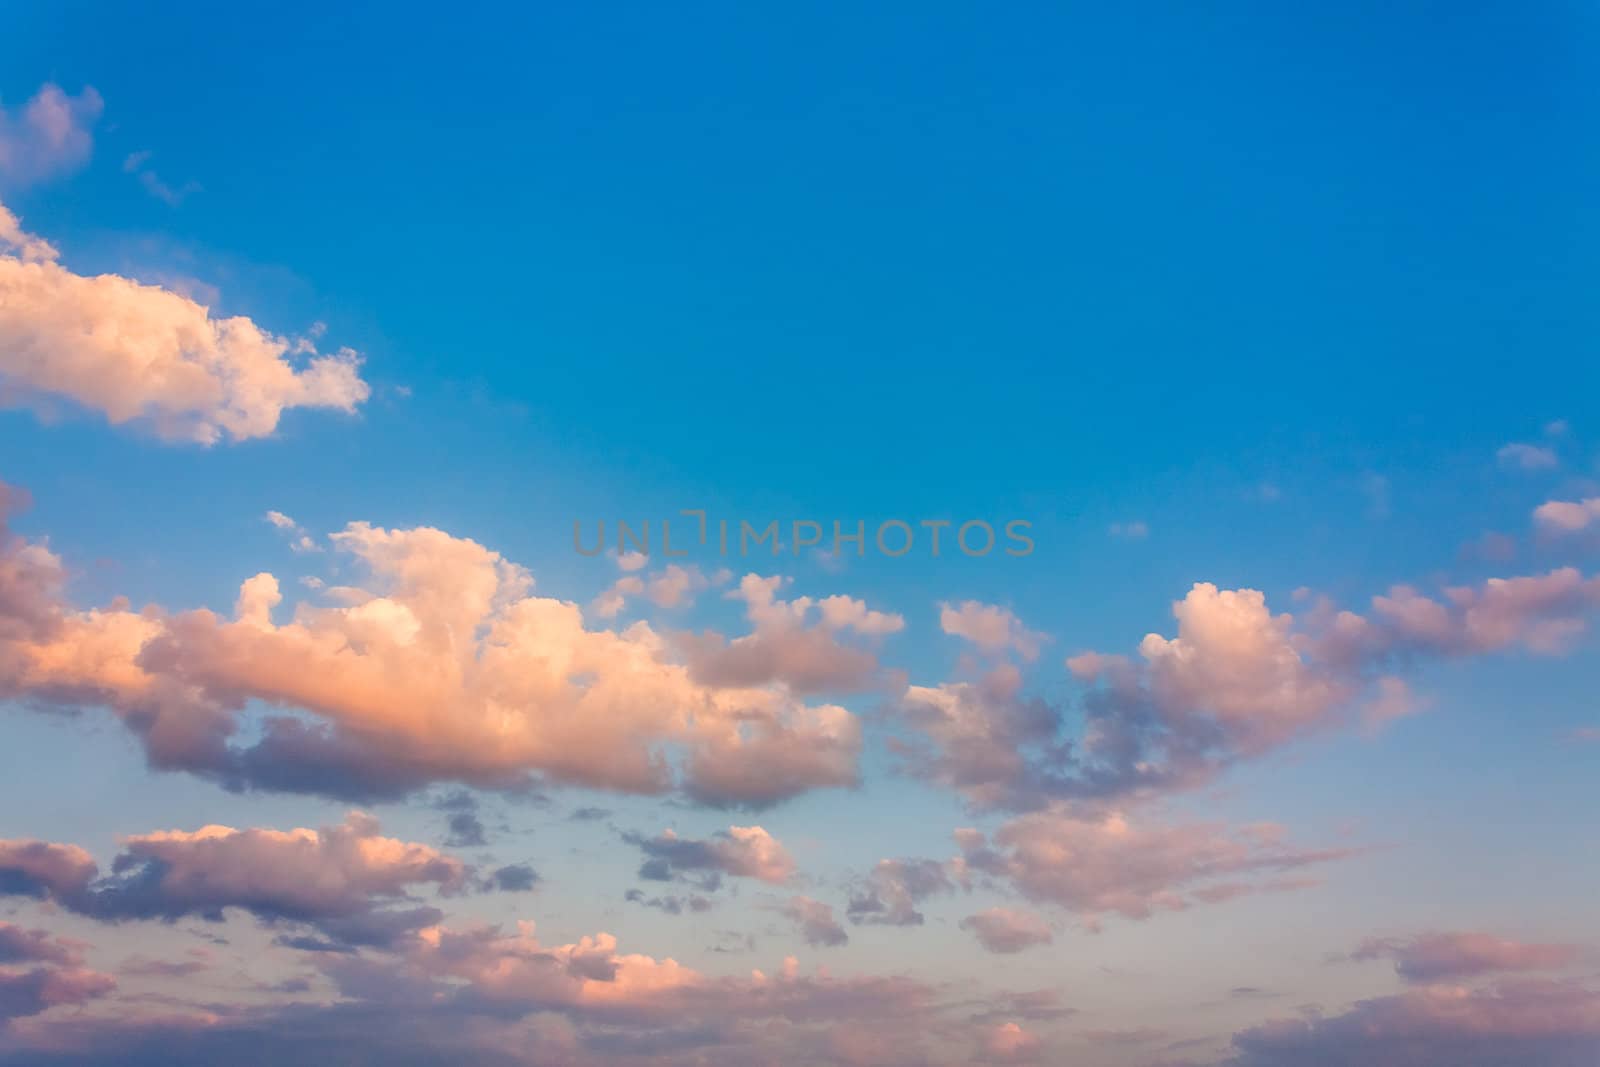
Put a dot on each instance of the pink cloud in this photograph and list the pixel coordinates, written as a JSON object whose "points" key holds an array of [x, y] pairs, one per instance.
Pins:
{"points": [[1010, 1043], [1439, 957], [19, 945], [1236, 681], [796, 643], [992, 628], [1095, 865], [1563, 517], [49, 136], [816, 922], [1553, 1024], [1008, 930]]}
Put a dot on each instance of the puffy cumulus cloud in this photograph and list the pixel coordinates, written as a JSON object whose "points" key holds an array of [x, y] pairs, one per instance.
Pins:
{"points": [[1097, 865], [1237, 663], [51, 134], [22, 245], [1542, 613], [795, 643], [891, 892], [1236, 681], [1564, 517], [440, 666], [334, 878], [674, 586], [518, 969], [1448, 957], [1552, 1024], [993, 629], [1008, 930], [987, 740], [815, 921], [146, 355], [740, 851], [298, 874]]}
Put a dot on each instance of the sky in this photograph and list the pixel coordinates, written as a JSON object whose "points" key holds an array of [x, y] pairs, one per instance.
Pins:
{"points": [[342, 722]]}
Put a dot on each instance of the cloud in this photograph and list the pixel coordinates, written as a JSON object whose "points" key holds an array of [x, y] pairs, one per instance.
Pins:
{"points": [[514, 878], [49, 136], [39, 971], [466, 831], [1561, 518], [1010, 1043], [333, 879], [1552, 1024], [673, 587], [1491, 547], [1008, 930], [1097, 865], [25, 992], [739, 851], [1448, 957], [670, 903], [299, 539], [890, 894], [198, 961], [1235, 682], [818, 927], [144, 355], [488, 995], [986, 740], [172, 196], [15, 243], [1520, 456], [19, 945], [31, 868], [993, 629], [440, 666], [787, 646], [1541, 613]]}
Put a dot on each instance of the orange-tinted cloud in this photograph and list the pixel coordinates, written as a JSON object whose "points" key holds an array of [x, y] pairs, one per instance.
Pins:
{"points": [[440, 665], [144, 355]]}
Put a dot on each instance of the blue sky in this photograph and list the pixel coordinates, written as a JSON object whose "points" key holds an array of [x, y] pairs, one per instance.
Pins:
{"points": [[1288, 301]]}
